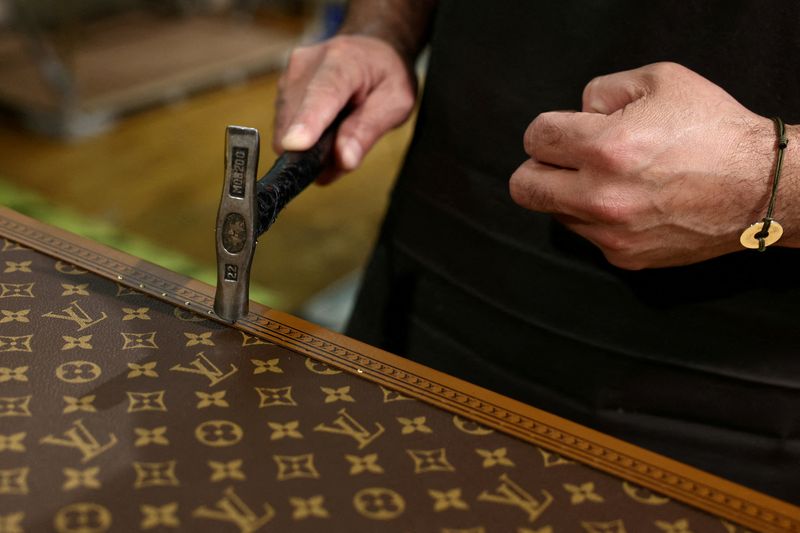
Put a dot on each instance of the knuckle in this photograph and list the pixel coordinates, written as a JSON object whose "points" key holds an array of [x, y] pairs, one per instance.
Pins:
{"points": [[399, 109], [525, 193], [517, 189], [666, 68], [614, 154], [611, 207], [542, 132], [590, 87]]}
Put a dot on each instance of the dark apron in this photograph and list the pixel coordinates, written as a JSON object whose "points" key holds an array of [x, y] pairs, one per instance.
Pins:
{"points": [[701, 363]]}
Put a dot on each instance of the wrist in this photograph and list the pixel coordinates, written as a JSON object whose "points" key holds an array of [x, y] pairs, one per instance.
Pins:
{"points": [[403, 24], [760, 174]]}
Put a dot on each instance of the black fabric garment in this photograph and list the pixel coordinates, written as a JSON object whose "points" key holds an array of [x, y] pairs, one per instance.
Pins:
{"points": [[702, 362]]}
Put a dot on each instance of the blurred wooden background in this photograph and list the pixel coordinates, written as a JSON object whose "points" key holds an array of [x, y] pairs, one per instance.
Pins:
{"points": [[155, 170]]}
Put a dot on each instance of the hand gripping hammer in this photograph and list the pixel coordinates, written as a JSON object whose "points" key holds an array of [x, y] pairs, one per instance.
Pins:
{"points": [[248, 208]]}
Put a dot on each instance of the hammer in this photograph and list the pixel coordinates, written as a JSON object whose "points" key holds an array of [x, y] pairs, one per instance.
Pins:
{"points": [[248, 208]]}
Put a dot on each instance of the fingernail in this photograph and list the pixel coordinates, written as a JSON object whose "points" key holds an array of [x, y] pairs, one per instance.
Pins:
{"points": [[296, 138], [351, 154]]}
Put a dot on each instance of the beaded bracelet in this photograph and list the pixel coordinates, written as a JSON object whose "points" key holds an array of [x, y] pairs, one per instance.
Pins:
{"points": [[768, 230]]}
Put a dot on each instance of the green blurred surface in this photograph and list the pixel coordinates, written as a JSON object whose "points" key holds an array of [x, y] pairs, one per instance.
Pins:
{"points": [[34, 206]]}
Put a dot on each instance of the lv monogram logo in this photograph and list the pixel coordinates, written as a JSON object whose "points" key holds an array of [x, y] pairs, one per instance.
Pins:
{"points": [[509, 493], [75, 313], [345, 424], [204, 367], [80, 438], [231, 508]]}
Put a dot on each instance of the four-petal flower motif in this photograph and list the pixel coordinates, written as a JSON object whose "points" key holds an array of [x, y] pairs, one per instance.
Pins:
{"points": [[77, 342], [367, 463], [582, 493], [83, 403], [21, 266], [13, 374], [163, 516], [289, 429], [230, 470], [207, 399], [266, 366], [309, 507], [447, 499], [14, 316], [495, 457], [81, 478], [75, 290], [147, 370], [413, 425], [145, 436], [679, 526], [342, 394], [12, 523], [14, 442], [140, 313], [199, 338]]}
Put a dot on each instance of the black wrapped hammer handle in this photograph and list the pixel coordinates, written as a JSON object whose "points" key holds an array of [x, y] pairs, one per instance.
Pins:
{"points": [[248, 208], [289, 176]]}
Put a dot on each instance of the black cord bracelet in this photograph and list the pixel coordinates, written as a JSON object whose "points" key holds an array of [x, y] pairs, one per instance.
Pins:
{"points": [[768, 230]]}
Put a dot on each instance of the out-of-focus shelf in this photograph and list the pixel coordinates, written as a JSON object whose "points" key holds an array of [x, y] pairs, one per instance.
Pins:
{"points": [[136, 60]]}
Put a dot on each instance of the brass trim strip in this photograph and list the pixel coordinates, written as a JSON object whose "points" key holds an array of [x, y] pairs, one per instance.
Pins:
{"points": [[699, 489]]}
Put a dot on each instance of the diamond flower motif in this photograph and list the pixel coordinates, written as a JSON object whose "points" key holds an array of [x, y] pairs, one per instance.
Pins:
{"points": [[342, 394], [81, 478], [14, 316], [147, 370], [367, 463], [79, 404], [140, 313], [413, 425], [165, 516], [230, 470], [311, 507], [289, 429], [207, 399], [447, 499], [199, 338], [495, 457], [22, 266], [266, 366], [76, 342], [21, 343], [75, 290], [146, 437], [582, 493], [13, 374]]}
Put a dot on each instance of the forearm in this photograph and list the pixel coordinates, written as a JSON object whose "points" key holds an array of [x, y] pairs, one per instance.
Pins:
{"points": [[404, 24]]}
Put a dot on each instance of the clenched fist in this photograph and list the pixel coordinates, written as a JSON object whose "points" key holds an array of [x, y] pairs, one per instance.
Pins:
{"points": [[660, 168]]}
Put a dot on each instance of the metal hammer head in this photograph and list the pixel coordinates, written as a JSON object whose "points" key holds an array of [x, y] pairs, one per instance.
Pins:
{"points": [[236, 223]]}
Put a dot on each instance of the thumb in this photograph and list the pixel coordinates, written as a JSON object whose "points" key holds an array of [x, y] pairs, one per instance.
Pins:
{"points": [[610, 93]]}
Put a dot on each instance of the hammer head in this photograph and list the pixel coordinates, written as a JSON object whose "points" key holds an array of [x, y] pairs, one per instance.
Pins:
{"points": [[236, 223]]}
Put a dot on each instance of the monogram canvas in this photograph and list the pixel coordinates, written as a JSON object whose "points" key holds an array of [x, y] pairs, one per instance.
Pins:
{"points": [[121, 412]]}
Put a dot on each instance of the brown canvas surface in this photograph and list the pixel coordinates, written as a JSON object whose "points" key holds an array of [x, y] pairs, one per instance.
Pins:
{"points": [[122, 412]]}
